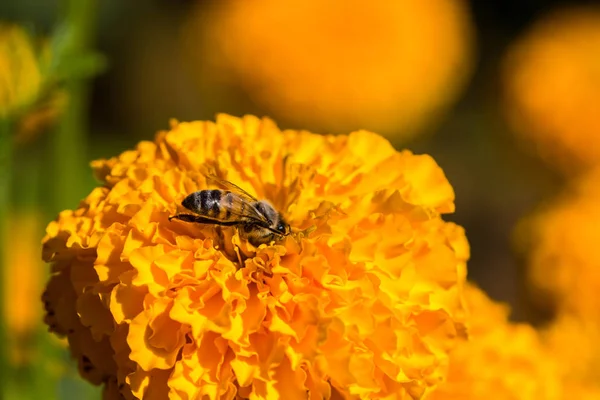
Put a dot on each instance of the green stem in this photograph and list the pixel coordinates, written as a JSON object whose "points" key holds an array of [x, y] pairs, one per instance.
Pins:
{"points": [[81, 17], [69, 146], [6, 156]]}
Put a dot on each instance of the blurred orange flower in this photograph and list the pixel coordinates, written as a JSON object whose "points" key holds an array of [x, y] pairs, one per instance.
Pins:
{"points": [[23, 277], [574, 341], [20, 73], [500, 360], [367, 305], [558, 242], [389, 66], [24, 82], [553, 87]]}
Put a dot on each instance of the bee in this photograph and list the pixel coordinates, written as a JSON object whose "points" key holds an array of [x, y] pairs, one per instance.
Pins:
{"points": [[257, 220]]}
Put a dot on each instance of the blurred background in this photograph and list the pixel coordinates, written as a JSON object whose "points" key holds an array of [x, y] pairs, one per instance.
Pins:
{"points": [[503, 94]]}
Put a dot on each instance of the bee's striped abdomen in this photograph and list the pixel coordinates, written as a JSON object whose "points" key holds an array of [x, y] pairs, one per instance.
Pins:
{"points": [[210, 201], [203, 202], [227, 199], [217, 204]]}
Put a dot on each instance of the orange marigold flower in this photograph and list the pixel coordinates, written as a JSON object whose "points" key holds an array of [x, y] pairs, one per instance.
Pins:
{"points": [[500, 360], [563, 268], [552, 94], [389, 66], [574, 341], [365, 304], [558, 242]]}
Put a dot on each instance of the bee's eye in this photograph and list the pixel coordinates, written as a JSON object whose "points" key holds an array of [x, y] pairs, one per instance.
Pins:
{"points": [[281, 227]]}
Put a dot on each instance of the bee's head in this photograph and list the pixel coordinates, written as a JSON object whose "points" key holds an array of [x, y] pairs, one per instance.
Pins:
{"points": [[282, 227]]}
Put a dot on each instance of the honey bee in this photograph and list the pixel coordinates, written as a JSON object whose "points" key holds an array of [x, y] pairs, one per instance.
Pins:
{"points": [[257, 220]]}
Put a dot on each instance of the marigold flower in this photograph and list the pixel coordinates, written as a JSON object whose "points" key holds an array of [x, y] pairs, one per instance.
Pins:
{"points": [[500, 360], [365, 304], [29, 94], [23, 278], [551, 91], [574, 341], [389, 66], [559, 244], [20, 72]]}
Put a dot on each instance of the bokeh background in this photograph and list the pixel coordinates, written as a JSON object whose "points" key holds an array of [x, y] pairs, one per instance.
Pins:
{"points": [[503, 94]]}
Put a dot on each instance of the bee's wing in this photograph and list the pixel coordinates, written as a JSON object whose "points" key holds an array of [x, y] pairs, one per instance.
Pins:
{"points": [[244, 209], [231, 187]]}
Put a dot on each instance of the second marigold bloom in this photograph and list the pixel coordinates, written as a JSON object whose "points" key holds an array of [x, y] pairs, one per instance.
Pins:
{"points": [[559, 241], [392, 66], [500, 360], [365, 304], [552, 87]]}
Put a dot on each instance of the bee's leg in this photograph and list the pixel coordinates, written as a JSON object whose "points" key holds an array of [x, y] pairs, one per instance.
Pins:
{"points": [[202, 220], [184, 217], [239, 256], [258, 237]]}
